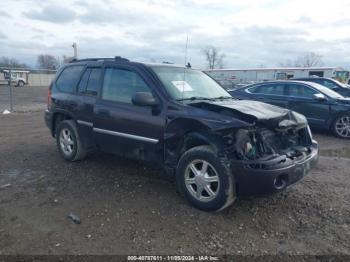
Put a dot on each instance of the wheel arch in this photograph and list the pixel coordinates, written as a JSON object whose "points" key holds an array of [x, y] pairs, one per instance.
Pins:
{"points": [[183, 134], [57, 117], [335, 116]]}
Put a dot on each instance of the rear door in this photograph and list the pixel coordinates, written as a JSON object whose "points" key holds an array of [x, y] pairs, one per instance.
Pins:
{"points": [[64, 96], [88, 88], [122, 127], [302, 100], [271, 93]]}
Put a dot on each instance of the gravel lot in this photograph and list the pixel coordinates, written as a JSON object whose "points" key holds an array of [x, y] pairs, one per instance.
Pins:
{"points": [[27, 98], [127, 207]]}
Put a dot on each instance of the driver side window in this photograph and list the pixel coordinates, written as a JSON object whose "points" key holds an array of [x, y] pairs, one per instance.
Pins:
{"points": [[120, 85]]}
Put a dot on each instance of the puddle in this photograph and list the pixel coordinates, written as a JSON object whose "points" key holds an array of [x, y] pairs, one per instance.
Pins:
{"points": [[15, 175], [343, 152]]}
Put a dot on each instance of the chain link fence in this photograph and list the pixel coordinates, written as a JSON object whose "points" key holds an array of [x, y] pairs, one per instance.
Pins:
{"points": [[23, 89]]}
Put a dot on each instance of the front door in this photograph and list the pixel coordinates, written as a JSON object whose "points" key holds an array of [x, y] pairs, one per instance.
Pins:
{"points": [[122, 127], [301, 98]]}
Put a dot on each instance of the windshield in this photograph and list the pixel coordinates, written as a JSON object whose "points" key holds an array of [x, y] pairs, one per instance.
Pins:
{"points": [[186, 83], [326, 91]]}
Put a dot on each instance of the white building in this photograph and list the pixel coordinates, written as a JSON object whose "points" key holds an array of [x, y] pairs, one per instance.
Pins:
{"points": [[230, 77]]}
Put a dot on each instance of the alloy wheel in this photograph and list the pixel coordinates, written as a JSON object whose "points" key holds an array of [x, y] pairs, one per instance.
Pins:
{"points": [[342, 126], [66, 141], [202, 180]]}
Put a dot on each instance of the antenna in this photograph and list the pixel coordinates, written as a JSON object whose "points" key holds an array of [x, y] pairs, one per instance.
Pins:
{"points": [[74, 45], [186, 50], [184, 78]]}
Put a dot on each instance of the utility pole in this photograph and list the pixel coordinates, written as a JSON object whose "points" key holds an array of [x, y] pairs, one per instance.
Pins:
{"points": [[11, 96], [74, 45]]}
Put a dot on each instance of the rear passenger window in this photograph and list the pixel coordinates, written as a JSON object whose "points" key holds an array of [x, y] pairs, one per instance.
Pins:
{"points": [[120, 85], [268, 89], [84, 80], [92, 86], [68, 79], [89, 82], [301, 91]]}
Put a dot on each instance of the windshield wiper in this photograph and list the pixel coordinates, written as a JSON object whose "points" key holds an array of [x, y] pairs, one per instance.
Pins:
{"points": [[224, 97], [192, 98]]}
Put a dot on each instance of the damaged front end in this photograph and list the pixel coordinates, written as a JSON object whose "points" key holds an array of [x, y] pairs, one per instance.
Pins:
{"points": [[265, 159], [274, 150]]}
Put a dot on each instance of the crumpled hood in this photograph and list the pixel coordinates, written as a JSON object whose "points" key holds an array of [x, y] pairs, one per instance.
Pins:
{"points": [[255, 112]]}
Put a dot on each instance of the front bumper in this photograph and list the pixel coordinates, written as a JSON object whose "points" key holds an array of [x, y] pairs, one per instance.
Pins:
{"points": [[255, 180]]}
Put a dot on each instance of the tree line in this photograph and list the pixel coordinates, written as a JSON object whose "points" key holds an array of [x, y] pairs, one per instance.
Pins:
{"points": [[44, 61], [214, 58]]}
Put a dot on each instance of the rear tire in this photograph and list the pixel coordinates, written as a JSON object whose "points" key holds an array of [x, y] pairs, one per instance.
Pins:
{"points": [[68, 141], [204, 180], [20, 84], [341, 126]]}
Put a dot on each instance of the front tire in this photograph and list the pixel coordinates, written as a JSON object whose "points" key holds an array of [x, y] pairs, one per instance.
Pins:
{"points": [[68, 141], [341, 126], [204, 180]]}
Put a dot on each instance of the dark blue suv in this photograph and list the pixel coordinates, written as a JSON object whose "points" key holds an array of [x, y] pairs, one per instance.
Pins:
{"points": [[330, 83], [215, 146]]}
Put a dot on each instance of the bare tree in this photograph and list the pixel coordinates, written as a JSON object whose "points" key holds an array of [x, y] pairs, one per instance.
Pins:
{"points": [[287, 63], [308, 60], [213, 57], [11, 62], [46, 61]]}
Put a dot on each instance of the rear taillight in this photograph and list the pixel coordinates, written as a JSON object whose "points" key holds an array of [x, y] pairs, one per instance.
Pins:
{"points": [[49, 99]]}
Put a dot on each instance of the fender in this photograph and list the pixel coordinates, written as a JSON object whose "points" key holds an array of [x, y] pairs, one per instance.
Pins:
{"points": [[181, 134], [59, 111]]}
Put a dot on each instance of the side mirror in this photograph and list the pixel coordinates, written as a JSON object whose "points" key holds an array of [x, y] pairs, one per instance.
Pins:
{"points": [[320, 97], [144, 99]]}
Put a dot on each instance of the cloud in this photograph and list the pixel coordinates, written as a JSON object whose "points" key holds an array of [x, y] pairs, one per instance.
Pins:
{"points": [[304, 20], [250, 33], [4, 14], [2, 36], [102, 15], [52, 13]]}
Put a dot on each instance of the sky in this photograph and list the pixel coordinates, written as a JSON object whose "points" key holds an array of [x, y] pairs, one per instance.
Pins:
{"points": [[251, 33]]}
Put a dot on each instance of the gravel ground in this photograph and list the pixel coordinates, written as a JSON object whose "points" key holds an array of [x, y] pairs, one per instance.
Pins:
{"points": [[27, 98], [128, 207]]}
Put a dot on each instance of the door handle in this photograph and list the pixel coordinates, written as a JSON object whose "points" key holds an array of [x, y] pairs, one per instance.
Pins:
{"points": [[74, 104], [103, 112]]}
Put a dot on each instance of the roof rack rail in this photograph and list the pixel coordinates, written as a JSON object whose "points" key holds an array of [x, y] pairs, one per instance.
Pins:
{"points": [[116, 58]]}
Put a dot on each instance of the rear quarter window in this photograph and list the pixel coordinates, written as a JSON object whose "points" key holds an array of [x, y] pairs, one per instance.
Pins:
{"points": [[68, 79]]}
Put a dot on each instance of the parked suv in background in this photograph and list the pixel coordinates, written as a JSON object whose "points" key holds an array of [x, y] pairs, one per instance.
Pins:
{"points": [[217, 147], [330, 83]]}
